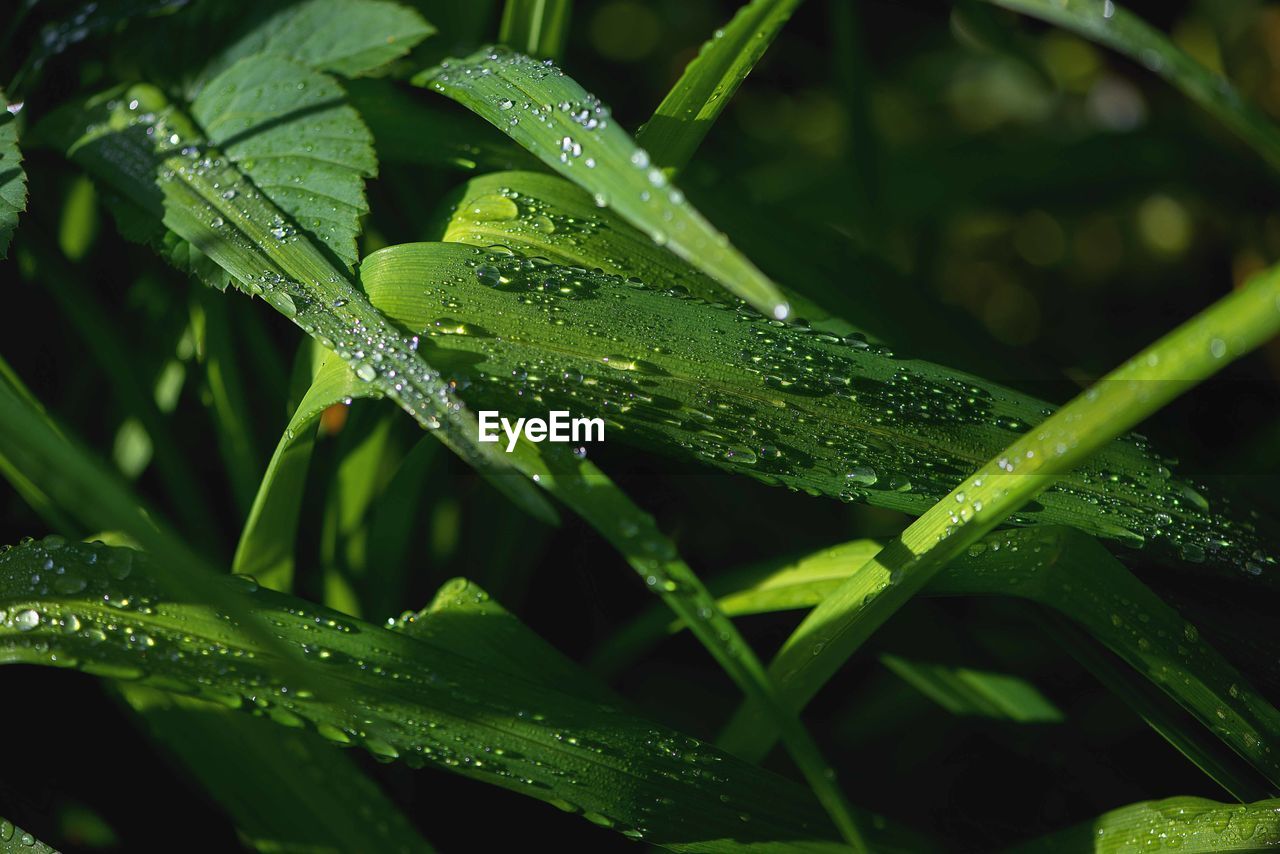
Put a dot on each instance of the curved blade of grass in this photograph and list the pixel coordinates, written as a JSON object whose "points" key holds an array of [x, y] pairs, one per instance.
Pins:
{"points": [[13, 179], [431, 702], [1194, 351], [396, 277], [976, 693], [288, 789], [567, 128], [540, 215], [1109, 23], [149, 152], [788, 405], [1057, 568], [709, 82], [14, 838], [1193, 825], [347, 37], [265, 550], [39, 501], [536, 27]]}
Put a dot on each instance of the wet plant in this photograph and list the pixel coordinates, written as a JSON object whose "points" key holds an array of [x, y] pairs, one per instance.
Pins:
{"points": [[267, 263]]}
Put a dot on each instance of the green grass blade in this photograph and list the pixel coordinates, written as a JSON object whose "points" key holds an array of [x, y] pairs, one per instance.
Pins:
{"points": [[540, 215], [265, 550], [1193, 825], [1109, 23], [150, 152], [347, 37], [394, 277], [536, 27], [567, 128], [15, 839], [288, 789], [432, 703], [1194, 351], [789, 406], [13, 179], [976, 693], [685, 115]]}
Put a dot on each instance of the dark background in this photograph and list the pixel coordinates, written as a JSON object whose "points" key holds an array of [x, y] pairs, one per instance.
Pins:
{"points": [[1043, 218]]}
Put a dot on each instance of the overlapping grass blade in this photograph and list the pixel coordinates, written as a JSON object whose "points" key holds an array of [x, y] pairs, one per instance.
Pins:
{"points": [[1193, 825], [429, 701], [1109, 23], [790, 406], [1057, 568], [13, 179], [147, 150], [288, 789], [976, 693], [1194, 351], [567, 128], [708, 83], [536, 27]]}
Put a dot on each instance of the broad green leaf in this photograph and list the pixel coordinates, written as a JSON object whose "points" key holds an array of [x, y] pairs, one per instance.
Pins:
{"points": [[145, 148], [567, 128], [347, 37], [291, 132], [430, 702], [1192, 825], [976, 693], [288, 789], [1109, 23], [710, 80], [15, 839], [536, 27], [540, 215], [13, 180], [1189, 354], [788, 405]]}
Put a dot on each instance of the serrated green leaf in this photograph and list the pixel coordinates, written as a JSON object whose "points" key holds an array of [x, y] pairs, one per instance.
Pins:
{"points": [[431, 703], [1192, 825], [685, 115], [13, 179], [567, 128], [790, 406], [347, 37], [290, 130]]}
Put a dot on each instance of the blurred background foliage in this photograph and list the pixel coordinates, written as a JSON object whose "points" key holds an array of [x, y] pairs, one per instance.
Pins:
{"points": [[1043, 206]]}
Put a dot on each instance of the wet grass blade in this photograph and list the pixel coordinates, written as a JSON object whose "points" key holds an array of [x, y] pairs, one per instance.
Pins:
{"points": [[430, 703], [1056, 568], [788, 405], [15, 839], [1108, 23], [568, 129], [976, 693], [1194, 351], [288, 790], [687, 112], [13, 179], [536, 27], [1193, 825]]}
